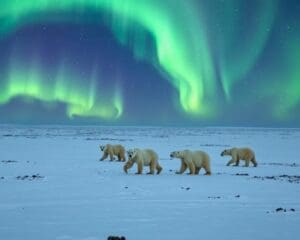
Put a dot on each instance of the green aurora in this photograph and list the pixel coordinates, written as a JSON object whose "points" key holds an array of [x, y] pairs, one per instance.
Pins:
{"points": [[80, 100], [196, 48], [172, 42]]}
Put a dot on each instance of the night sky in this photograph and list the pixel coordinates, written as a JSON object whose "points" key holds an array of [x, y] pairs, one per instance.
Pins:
{"points": [[150, 62]]}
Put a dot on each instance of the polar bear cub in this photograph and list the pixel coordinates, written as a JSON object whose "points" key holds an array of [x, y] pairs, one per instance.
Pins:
{"points": [[111, 150], [194, 160], [143, 157], [238, 154]]}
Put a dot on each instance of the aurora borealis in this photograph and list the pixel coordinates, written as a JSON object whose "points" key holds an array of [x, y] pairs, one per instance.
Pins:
{"points": [[80, 100], [195, 62]]}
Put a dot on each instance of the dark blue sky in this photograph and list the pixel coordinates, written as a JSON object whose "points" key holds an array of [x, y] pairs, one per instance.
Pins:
{"points": [[205, 63]]}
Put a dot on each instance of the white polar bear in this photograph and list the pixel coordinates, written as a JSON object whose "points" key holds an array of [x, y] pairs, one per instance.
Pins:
{"points": [[238, 154], [194, 160], [143, 157], [111, 150]]}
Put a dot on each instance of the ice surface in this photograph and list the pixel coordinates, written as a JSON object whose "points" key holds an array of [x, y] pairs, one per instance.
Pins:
{"points": [[52, 185]]}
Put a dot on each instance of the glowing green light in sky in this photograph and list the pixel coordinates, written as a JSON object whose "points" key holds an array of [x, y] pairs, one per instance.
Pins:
{"points": [[64, 87], [240, 46], [289, 84], [198, 50], [181, 53]]}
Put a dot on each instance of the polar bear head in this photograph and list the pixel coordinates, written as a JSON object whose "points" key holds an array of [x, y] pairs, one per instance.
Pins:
{"points": [[132, 153], [102, 147], [226, 152], [176, 154]]}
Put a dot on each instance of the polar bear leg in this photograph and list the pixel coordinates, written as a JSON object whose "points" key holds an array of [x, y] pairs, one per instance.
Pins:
{"points": [[128, 165], [207, 171], [230, 162], [247, 163], [158, 168], [206, 167], [104, 156], [237, 162], [182, 168], [152, 167], [197, 170], [139, 168], [253, 160], [111, 156], [122, 156], [191, 167]]}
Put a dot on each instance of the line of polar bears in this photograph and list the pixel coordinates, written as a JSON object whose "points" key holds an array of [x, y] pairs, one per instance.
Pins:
{"points": [[193, 160]]}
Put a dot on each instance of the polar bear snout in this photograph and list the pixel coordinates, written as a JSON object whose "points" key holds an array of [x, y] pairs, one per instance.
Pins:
{"points": [[225, 152], [174, 154], [130, 153], [102, 147]]}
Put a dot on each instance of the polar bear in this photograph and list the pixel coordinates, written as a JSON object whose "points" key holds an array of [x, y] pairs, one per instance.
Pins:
{"points": [[194, 160], [238, 154], [111, 150], [143, 157]]}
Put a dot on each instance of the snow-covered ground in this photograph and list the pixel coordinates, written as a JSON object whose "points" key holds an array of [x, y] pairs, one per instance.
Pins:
{"points": [[72, 195]]}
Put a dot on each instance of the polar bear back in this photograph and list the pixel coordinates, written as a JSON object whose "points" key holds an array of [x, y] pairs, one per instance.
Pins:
{"points": [[200, 158], [114, 149], [147, 155], [118, 149], [243, 153]]}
